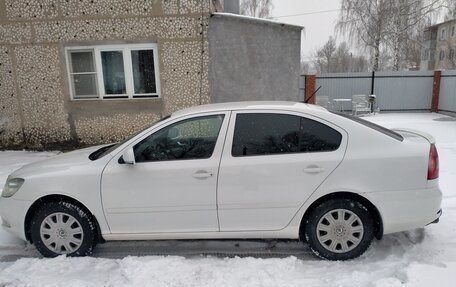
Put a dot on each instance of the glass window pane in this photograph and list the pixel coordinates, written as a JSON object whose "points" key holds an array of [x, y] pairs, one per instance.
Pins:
{"points": [[261, 134], [317, 137], [82, 62], [188, 139], [113, 72], [85, 86], [143, 71]]}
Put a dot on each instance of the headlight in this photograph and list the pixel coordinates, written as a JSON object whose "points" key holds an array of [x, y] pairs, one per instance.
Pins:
{"points": [[12, 186]]}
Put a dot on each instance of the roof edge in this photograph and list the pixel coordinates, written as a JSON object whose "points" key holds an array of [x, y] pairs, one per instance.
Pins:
{"points": [[441, 23], [254, 19]]}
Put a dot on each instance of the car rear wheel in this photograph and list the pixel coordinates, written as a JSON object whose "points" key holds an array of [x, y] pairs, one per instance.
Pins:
{"points": [[63, 228], [339, 229]]}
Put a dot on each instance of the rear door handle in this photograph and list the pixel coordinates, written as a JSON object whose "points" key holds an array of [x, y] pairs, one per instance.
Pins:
{"points": [[202, 174], [313, 169]]}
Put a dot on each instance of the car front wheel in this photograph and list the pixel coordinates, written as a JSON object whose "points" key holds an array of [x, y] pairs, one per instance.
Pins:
{"points": [[339, 229], [63, 228]]}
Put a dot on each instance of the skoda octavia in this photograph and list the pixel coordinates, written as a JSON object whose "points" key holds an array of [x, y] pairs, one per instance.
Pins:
{"points": [[235, 170]]}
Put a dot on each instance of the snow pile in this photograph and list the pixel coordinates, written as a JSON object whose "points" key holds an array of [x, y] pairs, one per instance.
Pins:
{"points": [[422, 257]]}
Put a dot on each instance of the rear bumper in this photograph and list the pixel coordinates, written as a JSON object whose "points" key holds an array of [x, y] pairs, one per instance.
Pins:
{"points": [[12, 212], [439, 213], [407, 209]]}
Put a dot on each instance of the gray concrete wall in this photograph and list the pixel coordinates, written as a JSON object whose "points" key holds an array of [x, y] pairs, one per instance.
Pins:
{"points": [[232, 6], [253, 59]]}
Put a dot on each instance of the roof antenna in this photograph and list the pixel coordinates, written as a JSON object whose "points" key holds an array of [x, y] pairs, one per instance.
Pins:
{"points": [[311, 96]]}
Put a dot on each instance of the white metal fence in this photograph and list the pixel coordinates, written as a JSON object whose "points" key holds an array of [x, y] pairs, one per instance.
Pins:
{"points": [[405, 90], [447, 99]]}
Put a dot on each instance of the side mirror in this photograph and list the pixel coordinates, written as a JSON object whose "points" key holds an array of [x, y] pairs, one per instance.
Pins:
{"points": [[128, 156]]}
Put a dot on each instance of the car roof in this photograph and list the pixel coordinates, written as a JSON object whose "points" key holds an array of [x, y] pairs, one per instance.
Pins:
{"points": [[249, 105]]}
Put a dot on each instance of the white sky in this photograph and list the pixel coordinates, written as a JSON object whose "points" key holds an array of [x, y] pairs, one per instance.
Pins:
{"points": [[318, 27]]}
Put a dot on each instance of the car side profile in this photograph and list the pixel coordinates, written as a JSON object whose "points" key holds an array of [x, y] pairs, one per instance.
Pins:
{"points": [[235, 170]]}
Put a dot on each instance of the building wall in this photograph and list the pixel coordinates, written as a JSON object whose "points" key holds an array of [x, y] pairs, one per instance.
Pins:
{"points": [[445, 44], [253, 59], [428, 49], [35, 105]]}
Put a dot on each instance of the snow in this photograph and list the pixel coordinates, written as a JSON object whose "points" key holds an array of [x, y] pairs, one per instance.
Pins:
{"points": [[422, 257]]}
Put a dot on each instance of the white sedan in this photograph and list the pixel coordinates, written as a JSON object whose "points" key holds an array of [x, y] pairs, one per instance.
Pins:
{"points": [[235, 170]]}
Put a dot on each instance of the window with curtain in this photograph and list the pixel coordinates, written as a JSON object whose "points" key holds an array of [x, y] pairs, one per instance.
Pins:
{"points": [[113, 71]]}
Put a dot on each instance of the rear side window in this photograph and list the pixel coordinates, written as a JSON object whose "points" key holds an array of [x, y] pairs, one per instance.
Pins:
{"points": [[263, 134], [371, 125]]}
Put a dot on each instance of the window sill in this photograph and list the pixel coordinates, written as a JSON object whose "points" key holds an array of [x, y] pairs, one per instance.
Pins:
{"points": [[154, 99]]}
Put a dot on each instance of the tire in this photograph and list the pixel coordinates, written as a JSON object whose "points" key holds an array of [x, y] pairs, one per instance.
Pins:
{"points": [[339, 229], [63, 228]]}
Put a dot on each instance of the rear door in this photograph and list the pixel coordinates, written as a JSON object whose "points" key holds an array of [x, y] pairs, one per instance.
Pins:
{"points": [[272, 162]]}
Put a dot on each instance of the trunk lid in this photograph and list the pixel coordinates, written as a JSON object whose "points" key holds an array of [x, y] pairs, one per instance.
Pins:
{"points": [[413, 134]]}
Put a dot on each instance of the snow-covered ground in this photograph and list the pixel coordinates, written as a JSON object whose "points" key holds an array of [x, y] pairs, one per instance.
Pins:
{"points": [[423, 257]]}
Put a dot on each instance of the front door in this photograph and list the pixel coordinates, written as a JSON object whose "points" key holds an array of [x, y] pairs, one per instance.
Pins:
{"points": [[272, 162], [172, 185]]}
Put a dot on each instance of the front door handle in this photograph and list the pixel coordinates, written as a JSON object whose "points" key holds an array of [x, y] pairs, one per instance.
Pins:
{"points": [[313, 169], [202, 174]]}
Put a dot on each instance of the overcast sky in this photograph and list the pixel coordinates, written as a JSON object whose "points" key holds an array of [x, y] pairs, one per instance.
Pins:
{"points": [[318, 26]]}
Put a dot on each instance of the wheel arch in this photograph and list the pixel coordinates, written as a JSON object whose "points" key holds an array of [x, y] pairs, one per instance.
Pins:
{"points": [[56, 198], [376, 216]]}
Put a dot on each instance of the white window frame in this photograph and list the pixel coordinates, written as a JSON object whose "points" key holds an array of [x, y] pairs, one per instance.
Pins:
{"points": [[128, 70]]}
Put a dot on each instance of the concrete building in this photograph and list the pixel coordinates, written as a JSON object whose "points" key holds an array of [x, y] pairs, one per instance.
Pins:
{"points": [[84, 72], [439, 46]]}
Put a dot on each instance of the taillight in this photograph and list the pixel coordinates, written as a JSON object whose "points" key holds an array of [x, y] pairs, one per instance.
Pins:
{"points": [[433, 165]]}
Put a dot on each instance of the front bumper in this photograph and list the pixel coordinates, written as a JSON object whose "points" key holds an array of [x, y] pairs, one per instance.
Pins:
{"points": [[13, 212]]}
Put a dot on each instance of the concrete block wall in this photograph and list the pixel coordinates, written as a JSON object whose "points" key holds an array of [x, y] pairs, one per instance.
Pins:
{"points": [[35, 106]]}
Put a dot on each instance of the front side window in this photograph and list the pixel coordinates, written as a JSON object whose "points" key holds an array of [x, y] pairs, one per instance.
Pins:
{"points": [[263, 134], [113, 71], [193, 138]]}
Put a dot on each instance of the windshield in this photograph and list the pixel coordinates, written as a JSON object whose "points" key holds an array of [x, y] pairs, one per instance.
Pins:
{"points": [[99, 153]]}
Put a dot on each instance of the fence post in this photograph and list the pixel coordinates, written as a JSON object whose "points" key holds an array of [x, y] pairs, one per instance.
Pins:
{"points": [[436, 92], [310, 89]]}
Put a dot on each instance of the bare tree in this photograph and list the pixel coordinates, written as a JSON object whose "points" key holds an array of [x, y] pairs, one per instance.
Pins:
{"points": [[305, 68], [365, 23], [332, 58], [384, 25], [450, 6], [257, 8], [325, 54], [408, 18]]}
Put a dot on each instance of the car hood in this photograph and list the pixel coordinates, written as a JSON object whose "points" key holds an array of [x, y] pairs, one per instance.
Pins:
{"points": [[56, 163]]}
